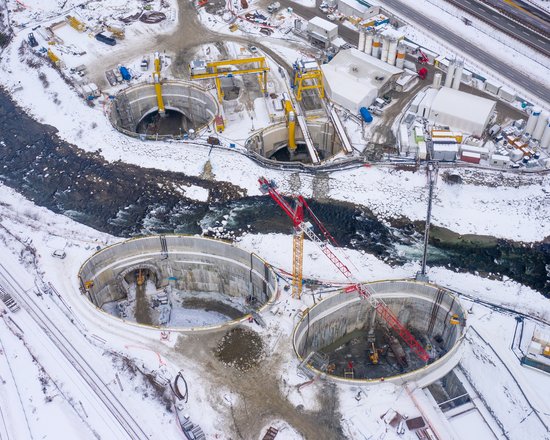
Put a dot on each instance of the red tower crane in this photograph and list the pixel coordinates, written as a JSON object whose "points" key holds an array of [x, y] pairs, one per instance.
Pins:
{"points": [[301, 227]]}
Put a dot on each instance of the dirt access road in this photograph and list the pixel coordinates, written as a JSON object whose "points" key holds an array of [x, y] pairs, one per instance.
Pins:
{"points": [[183, 42]]}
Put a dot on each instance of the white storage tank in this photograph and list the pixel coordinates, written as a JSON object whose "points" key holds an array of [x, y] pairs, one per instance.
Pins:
{"points": [[400, 57], [422, 150], [540, 126], [437, 81], [385, 49], [450, 74], [457, 77], [376, 46], [368, 42], [532, 121], [545, 141], [361, 43], [392, 52]]}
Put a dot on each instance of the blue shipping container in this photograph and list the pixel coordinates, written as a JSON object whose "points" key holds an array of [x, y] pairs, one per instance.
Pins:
{"points": [[365, 114], [125, 74]]}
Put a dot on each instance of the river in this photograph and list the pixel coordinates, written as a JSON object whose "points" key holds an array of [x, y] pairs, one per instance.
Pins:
{"points": [[127, 200]]}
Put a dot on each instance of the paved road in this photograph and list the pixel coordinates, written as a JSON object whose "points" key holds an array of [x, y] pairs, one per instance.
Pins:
{"points": [[520, 78], [414, 16], [534, 16], [504, 23]]}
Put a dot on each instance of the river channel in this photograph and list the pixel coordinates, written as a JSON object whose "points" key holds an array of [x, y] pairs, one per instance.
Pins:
{"points": [[126, 200]]}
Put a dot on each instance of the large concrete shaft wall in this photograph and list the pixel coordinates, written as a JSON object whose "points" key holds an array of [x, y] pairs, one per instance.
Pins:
{"points": [[271, 139], [132, 104], [194, 264], [422, 307]]}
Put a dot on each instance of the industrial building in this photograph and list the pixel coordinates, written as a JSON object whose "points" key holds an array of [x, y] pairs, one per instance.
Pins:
{"points": [[321, 32], [460, 110], [354, 79]]}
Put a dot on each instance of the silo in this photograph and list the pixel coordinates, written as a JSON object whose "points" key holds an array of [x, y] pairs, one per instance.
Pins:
{"points": [[541, 125], [376, 46], [385, 47], [437, 81], [545, 141], [458, 74], [361, 43], [400, 57], [392, 52], [532, 121], [450, 73], [368, 42]]}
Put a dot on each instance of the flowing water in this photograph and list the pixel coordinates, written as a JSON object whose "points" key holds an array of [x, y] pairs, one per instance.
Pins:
{"points": [[126, 200]]}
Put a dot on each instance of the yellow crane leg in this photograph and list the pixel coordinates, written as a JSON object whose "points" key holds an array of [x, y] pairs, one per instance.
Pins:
{"points": [[160, 101], [292, 131], [298, 263], [219, 89]]}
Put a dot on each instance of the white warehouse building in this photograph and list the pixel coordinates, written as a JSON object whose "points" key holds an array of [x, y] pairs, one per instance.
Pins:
{"points": [[354, 79], [461, 111]]}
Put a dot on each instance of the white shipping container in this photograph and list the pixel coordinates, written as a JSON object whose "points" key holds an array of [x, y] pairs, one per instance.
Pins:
{"points": [[422, 150]]}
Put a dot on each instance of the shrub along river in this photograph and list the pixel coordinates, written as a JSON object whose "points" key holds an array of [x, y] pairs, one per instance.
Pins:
{"points": [[126, 200]]}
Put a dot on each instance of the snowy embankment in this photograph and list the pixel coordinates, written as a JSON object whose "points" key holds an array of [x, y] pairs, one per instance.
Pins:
{"points": [[465, 209]]}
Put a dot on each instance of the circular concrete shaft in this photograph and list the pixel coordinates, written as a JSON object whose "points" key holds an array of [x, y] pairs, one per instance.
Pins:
{"points": [[350, 341], [134, 111], [178, 282]]}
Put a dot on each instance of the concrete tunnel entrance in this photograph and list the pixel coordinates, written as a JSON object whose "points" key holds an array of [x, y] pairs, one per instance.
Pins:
{"points": [[345, 338], [178, 282]]}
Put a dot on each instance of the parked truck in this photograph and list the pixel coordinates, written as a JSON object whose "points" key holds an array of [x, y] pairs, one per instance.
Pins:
{"points": [[125, 73], [105, 39], [273, 7]]}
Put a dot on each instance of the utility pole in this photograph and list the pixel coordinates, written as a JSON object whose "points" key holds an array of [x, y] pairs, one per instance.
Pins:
{"points": [[432, 178]]}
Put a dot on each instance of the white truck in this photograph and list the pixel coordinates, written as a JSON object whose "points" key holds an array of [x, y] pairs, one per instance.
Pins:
{"points": [[273, 7]]}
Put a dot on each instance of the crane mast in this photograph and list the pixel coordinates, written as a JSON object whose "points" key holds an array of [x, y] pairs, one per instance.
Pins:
{"points": [[302, 228]]}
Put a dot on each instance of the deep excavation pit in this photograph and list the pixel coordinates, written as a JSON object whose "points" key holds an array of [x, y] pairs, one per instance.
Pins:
{"points": [[351, 342], [177, 282], [135, 112], [271, 144]]}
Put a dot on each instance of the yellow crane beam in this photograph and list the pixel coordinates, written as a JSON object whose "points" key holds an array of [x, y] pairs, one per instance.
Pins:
{"points": [[298, 263], [214, 72]]}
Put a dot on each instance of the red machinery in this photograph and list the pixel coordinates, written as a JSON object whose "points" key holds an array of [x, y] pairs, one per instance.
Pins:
{"points": [[296, 214], [423, 73], [422, 58]]}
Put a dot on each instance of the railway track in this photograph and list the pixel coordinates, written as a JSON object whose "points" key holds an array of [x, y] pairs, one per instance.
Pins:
{"points": [[74, 357]]}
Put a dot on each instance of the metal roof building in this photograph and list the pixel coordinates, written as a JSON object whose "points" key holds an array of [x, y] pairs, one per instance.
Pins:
{"points": [[354, 79], [461, 111]]}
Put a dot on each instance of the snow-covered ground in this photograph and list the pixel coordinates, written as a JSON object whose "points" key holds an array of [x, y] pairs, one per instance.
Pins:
{"points": [[43, 395]]}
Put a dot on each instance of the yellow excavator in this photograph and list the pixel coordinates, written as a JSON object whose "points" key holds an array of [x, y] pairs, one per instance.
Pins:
{"points": [[374, 358], [158, 86]]}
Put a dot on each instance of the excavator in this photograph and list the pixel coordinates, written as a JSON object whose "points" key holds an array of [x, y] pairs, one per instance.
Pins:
{"points": [[158, 86], [374, 355]]}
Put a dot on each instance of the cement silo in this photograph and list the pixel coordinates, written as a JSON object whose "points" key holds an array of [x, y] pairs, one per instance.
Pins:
{"points": [[437, 81], [400, 57], [457, 78], [545, 141], [532, 121], [541, 125], [361, 43], [450, 73], [368, 42], [392, 52], [376, 46], [385, 49]]}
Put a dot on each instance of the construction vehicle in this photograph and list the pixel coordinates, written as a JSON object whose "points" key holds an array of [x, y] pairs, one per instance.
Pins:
{"points": [[273, 7], [423, 73], [76, 24], [374, 355], [55, 59], [219, 69], [301, 228], [158, 85], [140, 279], [422, 57], [454, 320], [32, 41]]}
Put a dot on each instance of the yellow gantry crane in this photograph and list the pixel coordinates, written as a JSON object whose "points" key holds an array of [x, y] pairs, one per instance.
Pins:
{"points": [[218, 69], [158, 85], [307, 76]]}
